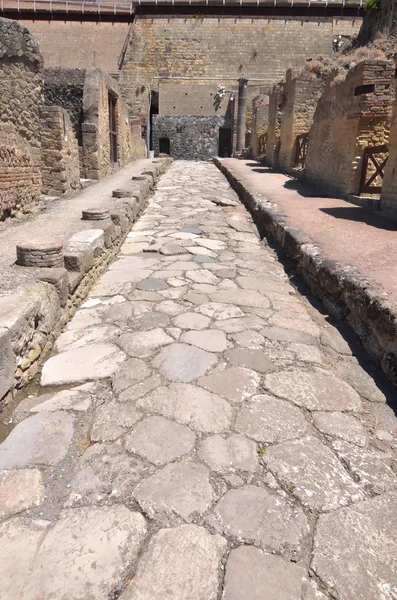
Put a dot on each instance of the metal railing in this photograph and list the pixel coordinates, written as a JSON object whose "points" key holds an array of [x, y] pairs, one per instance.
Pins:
{"points": [[128, 6]]}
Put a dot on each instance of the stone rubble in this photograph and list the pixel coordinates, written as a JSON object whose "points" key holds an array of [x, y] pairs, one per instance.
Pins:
{"points": [[193, 436]]}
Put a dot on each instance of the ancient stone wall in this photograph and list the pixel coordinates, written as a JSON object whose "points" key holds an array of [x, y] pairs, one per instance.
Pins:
{"points": [[190, 138], [60, 166], [220, 49], [302, 91], [260, 119], [276, 104], [389, 189], [353, 112], [21, 85], [80, 44], [65, 88]]}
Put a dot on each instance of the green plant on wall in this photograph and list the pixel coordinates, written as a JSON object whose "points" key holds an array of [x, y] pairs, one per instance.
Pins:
{"points": [[372, 5]]}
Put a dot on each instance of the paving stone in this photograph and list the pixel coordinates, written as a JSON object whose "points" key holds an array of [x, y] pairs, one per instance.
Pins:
{"points": [[211, 244], [178, 490], [132, 371], [140, 389], [20, 490], [209, 339], [189, 405], [172, 249], [355, 550], [220, 311], [241, 298], [361, 381], [331, 338], [314, 391], [253, 575], [199, 251], [307, 353], [262, 284], [171, 308], [181, 362], [42, 439], [96, 361], [306, 326], [65, 400], [384, 416], [149, 320], [311, 471], [251, 359], [239, 324], [159, 440], [112, 419], [368, 467], [223, 455], [202, 276], [287, 335], [85, 553], [257, 516], [105, 473], [192, 320], [152, 284], [120, 314], [78, 338], [270, 420], [341, 426], [179, 563], [249, 339], [236, 383], [126, 275], [312, 592], [145, 343]]}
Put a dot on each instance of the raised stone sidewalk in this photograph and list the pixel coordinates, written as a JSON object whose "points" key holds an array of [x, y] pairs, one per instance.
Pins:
{"points": [[201, 432]]}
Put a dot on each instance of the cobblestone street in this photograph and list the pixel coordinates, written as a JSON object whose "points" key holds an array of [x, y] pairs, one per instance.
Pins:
{"points": [[201, 431]]}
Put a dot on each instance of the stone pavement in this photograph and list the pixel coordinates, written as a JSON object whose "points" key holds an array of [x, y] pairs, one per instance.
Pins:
{"points": [[343, 231], [201, 432]]}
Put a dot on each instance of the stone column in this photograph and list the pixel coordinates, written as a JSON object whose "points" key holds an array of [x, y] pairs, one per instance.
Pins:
{"points": [[241, 113]]}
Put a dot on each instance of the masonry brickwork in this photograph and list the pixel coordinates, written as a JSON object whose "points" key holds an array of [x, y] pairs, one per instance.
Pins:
{"points": [[302, 90], [60, 166], [221, 49], [389, 189], [353, 112], [21, 84]]}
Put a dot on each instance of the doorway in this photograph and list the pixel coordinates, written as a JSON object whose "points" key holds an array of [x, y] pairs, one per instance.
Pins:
{"points": [[164, 145], [113, 129], [225, 142]]}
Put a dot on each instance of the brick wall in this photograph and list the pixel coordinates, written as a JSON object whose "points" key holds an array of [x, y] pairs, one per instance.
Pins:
{"points": [[80, 43], [216, 50], [389, 189], [21, 85], [348, 118], [302, 90], [60, 167]]}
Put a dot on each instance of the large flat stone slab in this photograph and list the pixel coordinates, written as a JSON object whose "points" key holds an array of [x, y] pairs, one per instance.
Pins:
{"points": [[254, 359], [144, 343], [313, 474], [314, 391], [209, 339], [7, 362], [241, 298], [96, 361], [253, 575], [42, 439], [132, 371], [189, 405], [270, 420], [178, 491], [112, 419], [179, 564], [355, 550], [20, 490], [237, 384], [159, 440], [182, 362], [258, 516], [86, 553], [224, 455], [342, 426]]}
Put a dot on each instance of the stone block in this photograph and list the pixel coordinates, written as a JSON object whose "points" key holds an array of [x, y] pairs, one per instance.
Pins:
{"points": [[58, 277], [79, 259], [7, 363], [88, 239]]}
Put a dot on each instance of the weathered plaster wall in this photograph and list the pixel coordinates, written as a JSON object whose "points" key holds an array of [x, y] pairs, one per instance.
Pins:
{"points": [[260, 120], [345, 123], [191, 138], [21, 85], [60, 166], [302, 91], [276, 103]]}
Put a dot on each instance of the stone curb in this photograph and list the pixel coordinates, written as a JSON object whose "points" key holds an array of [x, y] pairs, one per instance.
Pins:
{"points": [[346, 293], [33, 317]]}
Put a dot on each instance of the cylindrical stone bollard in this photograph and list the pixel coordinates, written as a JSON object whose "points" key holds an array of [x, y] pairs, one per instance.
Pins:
{"points": [[95, 214], [46, 254]]}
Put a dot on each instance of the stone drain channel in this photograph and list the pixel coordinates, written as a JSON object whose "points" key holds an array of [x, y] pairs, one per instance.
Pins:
{"points": [[201, 432]]}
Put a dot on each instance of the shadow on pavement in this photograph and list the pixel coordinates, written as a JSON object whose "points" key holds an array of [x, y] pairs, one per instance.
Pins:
{"points": [[356, 213]]}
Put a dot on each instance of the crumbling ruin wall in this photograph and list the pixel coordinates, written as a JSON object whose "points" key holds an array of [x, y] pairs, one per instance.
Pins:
{"points": [[353, 112], [276, 105], [302, 90], [21, 85], [60, 167], [389, 189], [260, 120]]}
